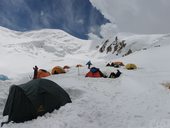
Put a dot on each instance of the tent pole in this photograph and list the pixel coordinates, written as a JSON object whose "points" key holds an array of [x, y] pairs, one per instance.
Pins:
{"points": [[78, 71]]}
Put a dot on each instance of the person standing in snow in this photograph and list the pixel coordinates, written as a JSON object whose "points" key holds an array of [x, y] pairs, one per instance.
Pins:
{"points": [[35, 72], [89, 64]]}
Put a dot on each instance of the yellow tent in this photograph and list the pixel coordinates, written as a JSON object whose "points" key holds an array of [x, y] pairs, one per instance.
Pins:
{"points": [[57, 70], [131, 66]]}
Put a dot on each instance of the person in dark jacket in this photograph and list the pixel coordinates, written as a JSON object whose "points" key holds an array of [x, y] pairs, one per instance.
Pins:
{"points": [[118, 73], [35, 72], [89, 64], [113, 75]]}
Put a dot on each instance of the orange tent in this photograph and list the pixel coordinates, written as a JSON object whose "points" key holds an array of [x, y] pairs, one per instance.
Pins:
{"points": [[118, 63], [94, 72], [66, 67], [57, 70], [42, 73]]}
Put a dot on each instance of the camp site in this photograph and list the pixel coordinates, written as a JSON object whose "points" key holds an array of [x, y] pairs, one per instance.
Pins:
{"points": [[45, 81]]}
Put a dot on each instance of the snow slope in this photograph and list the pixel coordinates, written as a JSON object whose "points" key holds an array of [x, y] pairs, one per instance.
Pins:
{"points": [[136, 99], [134, 42], [45, 48]]}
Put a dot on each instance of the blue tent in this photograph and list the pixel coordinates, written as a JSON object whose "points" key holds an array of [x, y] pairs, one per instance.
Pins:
{"points": [[3, 77], [94, 69]]}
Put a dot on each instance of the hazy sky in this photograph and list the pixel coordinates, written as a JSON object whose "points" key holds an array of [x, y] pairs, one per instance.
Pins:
{"points": [[137, 16]]}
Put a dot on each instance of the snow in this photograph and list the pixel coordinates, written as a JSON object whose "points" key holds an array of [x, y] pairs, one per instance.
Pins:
{"points": [[137, 99]]}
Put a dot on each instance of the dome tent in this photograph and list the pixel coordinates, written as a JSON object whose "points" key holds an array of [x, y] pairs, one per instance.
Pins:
{"points": [[95, 72], [57, 70], [130, 66], [118, 63], [66, 67], [32, 99], [43, 73]]}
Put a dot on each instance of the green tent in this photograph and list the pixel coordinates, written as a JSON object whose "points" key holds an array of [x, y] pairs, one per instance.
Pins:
{"points": [[32, 99]]}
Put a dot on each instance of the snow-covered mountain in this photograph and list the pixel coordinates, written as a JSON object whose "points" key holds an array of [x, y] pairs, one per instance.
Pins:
{"points": [[137, 99], [50, 47], [133, 42], [45, 48], [77, 17]]}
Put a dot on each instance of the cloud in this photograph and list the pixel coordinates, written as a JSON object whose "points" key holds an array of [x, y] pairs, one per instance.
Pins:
{"points": [[93, 36], [106, 30], [137, 16]]}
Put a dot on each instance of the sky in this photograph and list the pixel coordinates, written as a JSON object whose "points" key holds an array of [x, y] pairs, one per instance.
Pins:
{"points": [[88, 18], [77, 17], [137, 16]]}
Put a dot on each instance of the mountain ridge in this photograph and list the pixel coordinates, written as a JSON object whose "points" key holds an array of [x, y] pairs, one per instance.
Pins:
{"points": [[50, 47], [77, 17]]}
